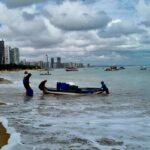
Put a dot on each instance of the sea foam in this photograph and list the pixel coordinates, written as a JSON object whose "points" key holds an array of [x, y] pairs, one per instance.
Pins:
{"points": [[14, 136]]}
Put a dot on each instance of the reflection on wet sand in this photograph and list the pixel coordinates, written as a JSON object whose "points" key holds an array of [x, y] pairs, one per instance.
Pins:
{"points": [[4, 136], [1, 103]]}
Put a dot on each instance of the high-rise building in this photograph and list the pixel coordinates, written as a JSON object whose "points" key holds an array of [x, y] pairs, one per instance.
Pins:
{"points": [[40, 64], [58, 62], [52, 62], [14, 56], [7, 55], [2, 49]]}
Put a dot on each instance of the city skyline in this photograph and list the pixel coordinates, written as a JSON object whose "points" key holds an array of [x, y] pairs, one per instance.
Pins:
{"points": [[53, 63], [8, 54], [98, 32]]}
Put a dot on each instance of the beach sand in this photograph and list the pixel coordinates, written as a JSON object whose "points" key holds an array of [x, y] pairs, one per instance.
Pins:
{"points": [[4, 136]]}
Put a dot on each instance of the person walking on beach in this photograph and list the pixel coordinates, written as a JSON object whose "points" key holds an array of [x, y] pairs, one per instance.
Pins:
{"points": [[26, 83], [104, 87]]}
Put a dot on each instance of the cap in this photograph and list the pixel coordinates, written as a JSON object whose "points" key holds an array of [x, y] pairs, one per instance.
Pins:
{"points": [[26, 72]]}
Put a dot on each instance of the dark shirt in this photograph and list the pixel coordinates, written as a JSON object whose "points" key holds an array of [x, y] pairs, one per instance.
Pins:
{"points": [[42, 85], [26, 81], [104, 88]]}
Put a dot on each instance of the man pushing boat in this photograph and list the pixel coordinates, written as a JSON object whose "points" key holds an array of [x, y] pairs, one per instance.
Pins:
{"points": [[42, 86], [104, 88]]}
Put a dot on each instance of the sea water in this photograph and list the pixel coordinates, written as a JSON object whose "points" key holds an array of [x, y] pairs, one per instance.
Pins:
{"points": [[120, 120]]}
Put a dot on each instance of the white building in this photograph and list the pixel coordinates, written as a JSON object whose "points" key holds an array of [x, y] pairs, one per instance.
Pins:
{"points": [[7, 55], [14, 56]]}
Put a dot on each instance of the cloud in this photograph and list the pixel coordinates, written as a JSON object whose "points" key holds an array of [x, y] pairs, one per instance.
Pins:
{"points": [[120, 28], [143, 10], [145, 39], [26, 28], [96, 31], [24, 3], [76, 16], [28, 16], [21, 3], [112, 56]]}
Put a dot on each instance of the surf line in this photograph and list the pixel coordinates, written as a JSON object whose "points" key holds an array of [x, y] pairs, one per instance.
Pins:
{"points": [[8, 136]]}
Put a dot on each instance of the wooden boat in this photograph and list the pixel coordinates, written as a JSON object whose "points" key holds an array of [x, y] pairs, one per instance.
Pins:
{"points": [[45, 73], [83, 91], [72, 90], [112, 68], [71, 69]]}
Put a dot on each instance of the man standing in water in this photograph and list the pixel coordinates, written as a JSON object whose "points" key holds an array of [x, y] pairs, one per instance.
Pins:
{"points": [[26, 83]]}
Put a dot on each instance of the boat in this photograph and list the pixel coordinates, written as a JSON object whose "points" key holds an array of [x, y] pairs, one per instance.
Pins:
{"points": [[66, 89], [121, 68], [114, 68], [111, 68], [47, 73], [71, 69], [143, 68], [47, 68]]}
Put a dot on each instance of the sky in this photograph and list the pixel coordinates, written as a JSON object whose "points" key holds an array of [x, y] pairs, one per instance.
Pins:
{"points": [[99, 32]]}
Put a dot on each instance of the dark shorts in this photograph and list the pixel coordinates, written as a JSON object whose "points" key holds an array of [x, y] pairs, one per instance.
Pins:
{"points": [[29, 92]]}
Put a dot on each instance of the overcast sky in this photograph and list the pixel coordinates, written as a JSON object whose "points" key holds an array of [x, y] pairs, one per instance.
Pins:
{"points": [[88, 31]]}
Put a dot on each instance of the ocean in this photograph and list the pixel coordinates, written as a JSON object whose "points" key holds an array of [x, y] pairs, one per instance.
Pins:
{"points": [[119, 121]]}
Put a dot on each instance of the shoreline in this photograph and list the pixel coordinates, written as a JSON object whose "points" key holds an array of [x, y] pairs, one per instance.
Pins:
{"points": [[4, 136], [16, 70]]}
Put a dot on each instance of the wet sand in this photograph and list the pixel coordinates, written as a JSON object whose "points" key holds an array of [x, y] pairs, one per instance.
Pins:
{"points": [[4, 136], [1, 103]]}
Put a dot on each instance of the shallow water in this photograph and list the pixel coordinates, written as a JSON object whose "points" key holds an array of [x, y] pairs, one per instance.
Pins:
{"points": [[118, 121]]}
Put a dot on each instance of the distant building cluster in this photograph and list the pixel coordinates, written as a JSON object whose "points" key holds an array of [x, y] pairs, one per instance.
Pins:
{"points": [[60, 64], [53, 64], [8, 55]]}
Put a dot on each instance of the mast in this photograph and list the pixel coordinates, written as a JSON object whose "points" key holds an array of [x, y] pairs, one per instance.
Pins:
{"points": [[47, 64]]}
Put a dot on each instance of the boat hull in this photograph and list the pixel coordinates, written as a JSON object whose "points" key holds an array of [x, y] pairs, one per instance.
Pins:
{"points": [[72, 69], [65, 89], [88, 92], [45, 74]]}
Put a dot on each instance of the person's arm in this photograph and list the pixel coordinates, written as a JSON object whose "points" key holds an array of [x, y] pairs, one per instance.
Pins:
{"points": [[29, 75]]}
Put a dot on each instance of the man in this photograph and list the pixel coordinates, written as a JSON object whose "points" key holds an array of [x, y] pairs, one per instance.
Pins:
{"points": [[26, 83], [104, 88], [42, 86]]}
